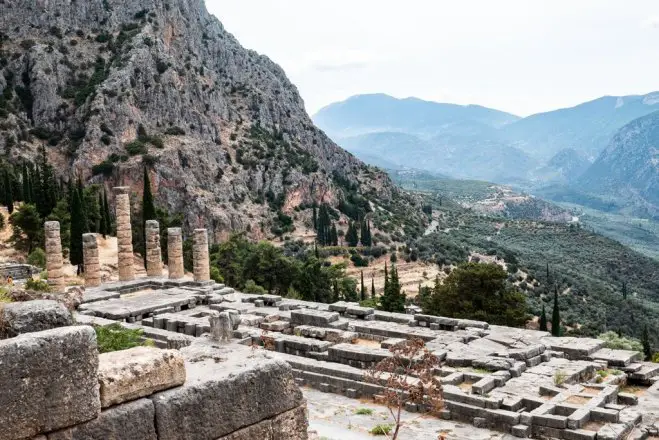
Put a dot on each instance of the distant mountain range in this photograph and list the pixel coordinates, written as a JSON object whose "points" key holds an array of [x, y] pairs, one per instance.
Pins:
{"points": [[589, 149]]}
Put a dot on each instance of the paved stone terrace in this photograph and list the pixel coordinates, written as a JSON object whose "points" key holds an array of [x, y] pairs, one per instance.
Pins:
{"points": [[524, 383]]}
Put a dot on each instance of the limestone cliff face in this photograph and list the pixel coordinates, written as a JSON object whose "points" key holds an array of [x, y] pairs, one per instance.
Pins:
{"points": [[221, 128]]}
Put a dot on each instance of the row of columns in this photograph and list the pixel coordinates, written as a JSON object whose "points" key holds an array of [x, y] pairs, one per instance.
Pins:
{"points": [[201, 261]]}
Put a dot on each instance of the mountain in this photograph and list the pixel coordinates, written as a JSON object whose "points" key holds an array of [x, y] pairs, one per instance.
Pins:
{"points": [[364, 114], [586, 128], [475, 142], [629, 167], [112, 86]]}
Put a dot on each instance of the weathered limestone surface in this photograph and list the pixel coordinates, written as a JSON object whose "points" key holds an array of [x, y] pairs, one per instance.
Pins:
{"points": [[153, 254], [90, 258], [32, 316], [223, 324], [62, 390], [54, 258], [124, 233], [175, 253], [221, 393], [291, 425], [200, 258], [138, 372], [130, 421]]}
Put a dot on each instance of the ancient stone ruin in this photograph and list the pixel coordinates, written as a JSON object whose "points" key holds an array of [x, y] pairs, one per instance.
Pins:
{"points": [[197, 382], [54, 259], [124, 233]]}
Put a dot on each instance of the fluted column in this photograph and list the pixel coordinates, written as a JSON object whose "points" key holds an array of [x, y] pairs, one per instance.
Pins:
{"points": [[153, 254], [200, 259], [175, 253], [91, 261], [124, 233], [54, 259]]}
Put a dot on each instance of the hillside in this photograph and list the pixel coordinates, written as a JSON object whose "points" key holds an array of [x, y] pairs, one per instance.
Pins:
{"points": [[629, 167], [588, 269], [363, 114], [473, 142], [110, 87]]}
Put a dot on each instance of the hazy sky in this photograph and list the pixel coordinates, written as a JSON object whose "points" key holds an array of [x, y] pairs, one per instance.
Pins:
{"points": [[521, 56]]}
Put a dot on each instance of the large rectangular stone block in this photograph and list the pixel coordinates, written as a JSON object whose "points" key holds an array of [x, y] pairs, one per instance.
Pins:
{"points": [[291, 425], [138, 372], [48, 381], [130, 421], [225, 391]]}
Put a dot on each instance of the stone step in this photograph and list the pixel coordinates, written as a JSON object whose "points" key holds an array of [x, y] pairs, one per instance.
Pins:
{"points": [[645, 373]]}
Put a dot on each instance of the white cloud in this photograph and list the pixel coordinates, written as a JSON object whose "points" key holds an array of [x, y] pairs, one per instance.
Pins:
{"points": [[651, 22]]}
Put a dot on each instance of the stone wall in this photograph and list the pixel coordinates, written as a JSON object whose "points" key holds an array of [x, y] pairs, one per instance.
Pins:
{"points": [[56, 386], [18, 271]]}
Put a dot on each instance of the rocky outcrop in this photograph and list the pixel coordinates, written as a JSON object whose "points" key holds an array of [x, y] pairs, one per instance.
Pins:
{"points": [[116, 85]]}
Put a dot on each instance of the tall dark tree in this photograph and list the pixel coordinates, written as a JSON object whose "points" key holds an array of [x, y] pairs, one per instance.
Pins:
{"points": [[352, 237], [647, 346], [148, 206], [556, 316], [366, 234], [8, 196], [77, 228], [315, 217], [363, 292], [624, 290], [324, 226], [543, 320], [393, 300], [27, 192], [334, 236], [372, 287], [386, 276], [80, 190], [106, 212], [103, 228]]}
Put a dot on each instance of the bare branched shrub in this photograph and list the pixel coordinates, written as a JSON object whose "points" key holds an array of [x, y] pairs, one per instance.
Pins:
{"points": [[408, 376]]}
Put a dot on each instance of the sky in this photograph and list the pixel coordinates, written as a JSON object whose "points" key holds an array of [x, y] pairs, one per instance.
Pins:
{"points": [[520, 56]]}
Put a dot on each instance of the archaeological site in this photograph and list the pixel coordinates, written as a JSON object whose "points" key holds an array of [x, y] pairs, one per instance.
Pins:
{"points": [[227, 365]]}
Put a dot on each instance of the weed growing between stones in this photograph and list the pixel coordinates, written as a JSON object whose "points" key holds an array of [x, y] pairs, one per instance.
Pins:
{"points": [[114, 338]]}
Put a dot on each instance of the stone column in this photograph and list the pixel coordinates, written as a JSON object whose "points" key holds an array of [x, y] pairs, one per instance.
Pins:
{"points": [[124, 233], [90, 258], [153, 254], [175, 253], [54, 258], [200, 259]]}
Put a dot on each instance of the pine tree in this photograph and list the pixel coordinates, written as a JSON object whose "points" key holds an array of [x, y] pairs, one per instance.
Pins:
{"points": [[8, 199], [556, 317], [645, 340], [543, 320], [77, 228], [364, 294]]}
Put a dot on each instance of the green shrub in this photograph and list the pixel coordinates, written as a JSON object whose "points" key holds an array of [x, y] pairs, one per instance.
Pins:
{"points": [[615, 342], [252, 287], [136, 147], [364, 411], [5, 297], [106, 168], [37, 284], [114, 337], [156, 142], [37, 258], [381, 430], [175, 131], [216, 275]]}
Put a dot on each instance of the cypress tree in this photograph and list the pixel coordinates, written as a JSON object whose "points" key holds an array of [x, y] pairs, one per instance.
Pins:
{"points": [[103, 226], [393, 300], [80, 190], [8, 199], [335, 292], [334, 236], [108, 218], [556, 317], [364, 294], [315, 217], [645, 340], [366, 234], [543, 320], [351, 236], [27, 192], [624, 290], [386, 277], [372, 287], [77, 228], [148, 209]]}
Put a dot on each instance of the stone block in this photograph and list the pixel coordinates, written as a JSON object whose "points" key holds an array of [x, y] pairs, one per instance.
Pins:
{"points": [[627, 399], [32, 316], [604, 415], [220, 394], [291, 425], [521, 431], [579, 434], [130, 421], [316, 318], [62, 390], [138, 372]]}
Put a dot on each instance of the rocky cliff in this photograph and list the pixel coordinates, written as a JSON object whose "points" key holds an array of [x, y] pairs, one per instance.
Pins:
{"points": [[110, 86]]}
